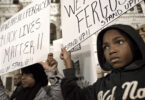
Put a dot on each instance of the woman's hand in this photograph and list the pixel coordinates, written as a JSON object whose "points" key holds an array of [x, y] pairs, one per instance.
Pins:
{"points": [[50, 64]]}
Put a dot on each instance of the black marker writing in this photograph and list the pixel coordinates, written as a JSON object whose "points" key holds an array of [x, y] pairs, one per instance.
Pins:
{"points": [[113, 4], [79, 19], [14, 51], [94, 11], [29, 28], [103, 9], [40, 41], [25, 14], [121, 2], [86, 17], [70, 9]]}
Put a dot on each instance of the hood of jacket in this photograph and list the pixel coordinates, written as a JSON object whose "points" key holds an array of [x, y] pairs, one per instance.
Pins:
{"points": [[134, 35]]}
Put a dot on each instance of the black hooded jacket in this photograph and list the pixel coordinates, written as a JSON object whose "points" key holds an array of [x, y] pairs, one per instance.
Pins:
{"points": [[127, 83]]}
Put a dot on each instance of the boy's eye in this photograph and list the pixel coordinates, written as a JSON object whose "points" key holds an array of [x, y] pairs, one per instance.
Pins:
{"points": [[120, 42], [105, 47]]}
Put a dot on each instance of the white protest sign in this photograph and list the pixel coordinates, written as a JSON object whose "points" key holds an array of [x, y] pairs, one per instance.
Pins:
{"points": [[85, 62], [82, 18], [24, 38]]}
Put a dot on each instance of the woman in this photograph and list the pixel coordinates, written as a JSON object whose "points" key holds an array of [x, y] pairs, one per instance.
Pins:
{"points": [[33, 81]]}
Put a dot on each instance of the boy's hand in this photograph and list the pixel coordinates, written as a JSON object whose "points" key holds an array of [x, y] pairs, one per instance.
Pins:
{"points": [[66, 57]]}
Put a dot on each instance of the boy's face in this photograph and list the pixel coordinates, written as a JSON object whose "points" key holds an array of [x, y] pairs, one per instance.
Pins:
{"points": [[117, 49]]}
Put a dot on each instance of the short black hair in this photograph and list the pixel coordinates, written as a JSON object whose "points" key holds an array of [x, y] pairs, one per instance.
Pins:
{"points": [[38, 73]]}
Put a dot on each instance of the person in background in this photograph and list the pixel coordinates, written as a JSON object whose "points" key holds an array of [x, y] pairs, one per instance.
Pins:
{"points": [[3, 95], [120, 50], [18, 84], [54, 77], [34, 79]]}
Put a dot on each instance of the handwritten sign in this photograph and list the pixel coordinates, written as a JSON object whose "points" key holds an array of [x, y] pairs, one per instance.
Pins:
{"points": [[24, 38], [82, 18]]}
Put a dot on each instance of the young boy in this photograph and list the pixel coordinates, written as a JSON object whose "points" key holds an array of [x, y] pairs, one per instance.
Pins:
{"points": [[120, 50]]}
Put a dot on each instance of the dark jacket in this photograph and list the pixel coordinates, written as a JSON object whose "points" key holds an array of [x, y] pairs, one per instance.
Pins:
{"points": [[35, 92], [16, 91], [127, 83]]}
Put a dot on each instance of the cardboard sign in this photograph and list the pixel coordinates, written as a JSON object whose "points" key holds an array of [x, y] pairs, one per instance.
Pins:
{"points": [[85, 61], [82, 18], [83, 56], [24, 38]]}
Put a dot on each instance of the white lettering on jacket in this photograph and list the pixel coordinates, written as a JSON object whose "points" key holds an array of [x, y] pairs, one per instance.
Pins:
{"points": [[132, 87], [130, 90], [110, 97]]}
